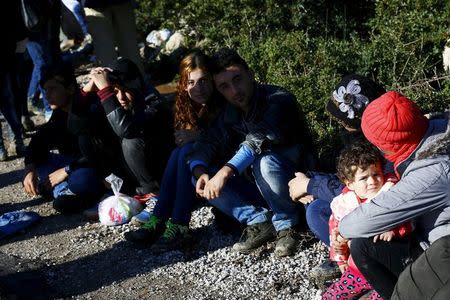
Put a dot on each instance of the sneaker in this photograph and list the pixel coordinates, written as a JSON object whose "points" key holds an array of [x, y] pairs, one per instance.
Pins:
{"points": [[146, 213], [27, 123], [147, 234], [324, 273], [287, 242], [255, 236], [175, 236]]}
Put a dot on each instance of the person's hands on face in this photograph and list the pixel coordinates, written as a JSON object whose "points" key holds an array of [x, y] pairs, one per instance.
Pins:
{"points": [[30, 183], [385, 236], [298, 187], [184, 136], [57, 177]]}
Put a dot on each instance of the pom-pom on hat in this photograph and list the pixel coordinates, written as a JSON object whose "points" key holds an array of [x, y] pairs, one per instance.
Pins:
{"points": [[394, 124], [350, 98]]}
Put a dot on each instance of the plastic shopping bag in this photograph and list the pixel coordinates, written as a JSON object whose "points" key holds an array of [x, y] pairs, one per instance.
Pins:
{"points": [[119, 208]]}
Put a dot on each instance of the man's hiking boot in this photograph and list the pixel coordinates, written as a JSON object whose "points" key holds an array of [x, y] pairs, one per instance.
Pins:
{"points": [[287, 242], [175, 236], [147, 234], [255, 236], [325, 273]]}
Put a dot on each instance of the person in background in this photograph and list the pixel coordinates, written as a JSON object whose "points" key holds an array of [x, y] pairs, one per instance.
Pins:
{"points": [[112, 24]]}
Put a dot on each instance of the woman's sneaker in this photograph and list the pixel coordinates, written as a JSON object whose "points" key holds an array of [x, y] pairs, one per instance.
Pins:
{"points": [[175, 236], [145, 214], [147, 234]]}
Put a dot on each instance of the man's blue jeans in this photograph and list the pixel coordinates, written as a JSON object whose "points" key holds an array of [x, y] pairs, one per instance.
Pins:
{"points": [[247, 202], [82, 181], [318, 214], [177, 193]]}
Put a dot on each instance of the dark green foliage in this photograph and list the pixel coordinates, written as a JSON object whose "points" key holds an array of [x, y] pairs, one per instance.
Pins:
{"points": [[307, 46]]}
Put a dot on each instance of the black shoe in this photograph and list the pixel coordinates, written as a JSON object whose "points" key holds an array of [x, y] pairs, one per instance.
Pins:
{"points": [[287, 242], [147, 234], [255, 236], [325, 273], [69, 204]]}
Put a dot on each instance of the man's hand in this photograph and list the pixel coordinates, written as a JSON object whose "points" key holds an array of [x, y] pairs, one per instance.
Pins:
{"points": [[30, 182], [57, 177], [298, 187], [201, 183], [214, 186], [385, 236], [184, 136]]}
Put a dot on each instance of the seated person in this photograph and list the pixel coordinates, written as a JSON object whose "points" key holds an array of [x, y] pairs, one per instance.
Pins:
{"points": [[71, 183], [196, 106], [144, 129], [419, 149], [360, 168], [317, 190], [258, 131]]}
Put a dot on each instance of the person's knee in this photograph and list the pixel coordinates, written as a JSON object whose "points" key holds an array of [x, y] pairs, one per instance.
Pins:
{"points": [[359, 249]]}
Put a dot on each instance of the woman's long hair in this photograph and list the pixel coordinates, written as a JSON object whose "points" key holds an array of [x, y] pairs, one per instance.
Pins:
{"points": [[186, 116]]}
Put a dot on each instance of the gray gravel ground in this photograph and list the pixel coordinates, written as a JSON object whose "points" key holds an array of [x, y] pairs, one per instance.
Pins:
{"points": [[67, 257]]}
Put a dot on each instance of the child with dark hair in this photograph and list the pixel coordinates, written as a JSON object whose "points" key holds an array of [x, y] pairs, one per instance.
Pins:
{"points": [[360, 168]]}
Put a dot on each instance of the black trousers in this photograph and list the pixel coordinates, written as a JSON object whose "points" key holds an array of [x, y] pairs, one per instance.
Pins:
{"points": [[382, 262]]}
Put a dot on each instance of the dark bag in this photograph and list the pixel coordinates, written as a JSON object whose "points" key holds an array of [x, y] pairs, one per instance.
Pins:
{"points": [[35, 13]]}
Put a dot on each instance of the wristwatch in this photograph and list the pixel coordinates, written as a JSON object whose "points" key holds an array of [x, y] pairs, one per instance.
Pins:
{"points": [[68, 169]]}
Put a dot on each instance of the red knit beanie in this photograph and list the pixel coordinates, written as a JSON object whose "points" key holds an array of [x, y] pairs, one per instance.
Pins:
{"points": [[394, 124]]}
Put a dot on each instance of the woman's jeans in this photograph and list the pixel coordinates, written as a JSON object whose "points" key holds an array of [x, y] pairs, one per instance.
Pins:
{"points": [[177, 193]]}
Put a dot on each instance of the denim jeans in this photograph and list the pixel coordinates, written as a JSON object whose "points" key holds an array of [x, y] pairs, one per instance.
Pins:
{"points": [[43, 48], [241, 199], [177, 194], [318, 214], [247, 202], [272, 172], [82, 181]]}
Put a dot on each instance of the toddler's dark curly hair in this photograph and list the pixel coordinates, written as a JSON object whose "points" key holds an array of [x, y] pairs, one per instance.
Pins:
{"points": [[360, 154]]}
